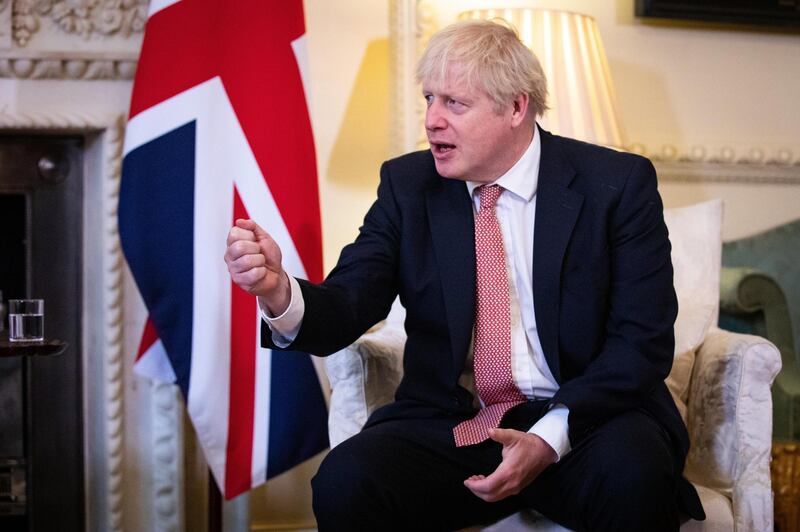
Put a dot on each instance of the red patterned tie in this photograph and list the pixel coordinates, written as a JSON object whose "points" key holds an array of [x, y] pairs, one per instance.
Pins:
{"points": [[492, 347]]}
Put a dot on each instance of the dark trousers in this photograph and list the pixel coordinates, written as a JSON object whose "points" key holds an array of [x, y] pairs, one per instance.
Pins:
{"points": [[408, 475]]}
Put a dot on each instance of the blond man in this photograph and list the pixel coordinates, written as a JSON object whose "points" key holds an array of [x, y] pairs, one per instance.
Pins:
{"points": [[536, 276]]}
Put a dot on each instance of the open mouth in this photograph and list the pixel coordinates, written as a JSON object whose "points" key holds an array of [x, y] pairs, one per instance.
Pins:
{"points": [[441, 148]]}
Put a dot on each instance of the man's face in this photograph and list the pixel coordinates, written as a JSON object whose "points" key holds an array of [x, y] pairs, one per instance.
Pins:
{"points": [[470, 139]]}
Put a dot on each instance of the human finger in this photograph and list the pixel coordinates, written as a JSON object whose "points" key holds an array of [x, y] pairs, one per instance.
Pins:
{"points": [[504, 436], [239, 233], [492, 487], [252, 226], [249, 279], [240, 248], [247, 262], [245, 223]]}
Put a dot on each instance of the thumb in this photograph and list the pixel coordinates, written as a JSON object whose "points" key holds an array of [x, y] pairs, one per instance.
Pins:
{"points": [[504, 436], [250, 225]]}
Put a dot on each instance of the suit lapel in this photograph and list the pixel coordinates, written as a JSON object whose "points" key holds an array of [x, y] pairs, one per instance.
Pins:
{"points": [[452, 230], [557, 209]]}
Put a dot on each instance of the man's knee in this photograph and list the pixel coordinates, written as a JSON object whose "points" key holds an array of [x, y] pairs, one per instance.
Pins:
{"points": [[340, 489], [356, 487], [641, 484], [634, 482], [632, 500]]}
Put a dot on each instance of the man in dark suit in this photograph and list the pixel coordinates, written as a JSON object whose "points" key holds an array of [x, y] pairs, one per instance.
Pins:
{"points": [[535, 272]]}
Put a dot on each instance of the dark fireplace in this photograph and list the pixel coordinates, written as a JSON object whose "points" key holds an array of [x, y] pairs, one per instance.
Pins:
{"points": [[41, 421]]}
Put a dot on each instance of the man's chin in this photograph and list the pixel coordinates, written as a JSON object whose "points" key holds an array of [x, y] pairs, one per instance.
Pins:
{"points": [[448, 172]]}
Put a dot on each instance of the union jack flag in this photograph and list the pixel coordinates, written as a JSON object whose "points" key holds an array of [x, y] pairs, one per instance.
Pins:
{"points": [[219, 130]]}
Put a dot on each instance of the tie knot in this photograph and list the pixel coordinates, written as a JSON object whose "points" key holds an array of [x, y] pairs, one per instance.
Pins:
{"points": [[489, 195]]}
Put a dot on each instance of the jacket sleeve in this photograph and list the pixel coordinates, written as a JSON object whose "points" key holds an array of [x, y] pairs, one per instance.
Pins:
{"points": [[360, 290]]}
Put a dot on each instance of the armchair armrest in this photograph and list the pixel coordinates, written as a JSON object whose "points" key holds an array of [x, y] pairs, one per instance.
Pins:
{"points": [[744, 292], [363, 377], [730, 423], [752, 301]]}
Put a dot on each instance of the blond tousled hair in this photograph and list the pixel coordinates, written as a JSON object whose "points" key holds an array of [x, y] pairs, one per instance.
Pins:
{"points": [[491, 58]]}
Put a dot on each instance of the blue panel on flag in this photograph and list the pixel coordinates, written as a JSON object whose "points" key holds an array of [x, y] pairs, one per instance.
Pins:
{"points": [[156, 211], [298, 417]]}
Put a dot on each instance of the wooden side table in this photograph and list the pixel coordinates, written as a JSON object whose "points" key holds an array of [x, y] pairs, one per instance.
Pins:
{"points": [[785, 470], [43, 348]]}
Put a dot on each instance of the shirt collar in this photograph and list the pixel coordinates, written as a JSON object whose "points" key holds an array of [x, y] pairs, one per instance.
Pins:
{"points": [[522, 178]]}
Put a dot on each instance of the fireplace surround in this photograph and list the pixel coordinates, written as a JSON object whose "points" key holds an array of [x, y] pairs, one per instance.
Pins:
{"points": [[112, 459]]}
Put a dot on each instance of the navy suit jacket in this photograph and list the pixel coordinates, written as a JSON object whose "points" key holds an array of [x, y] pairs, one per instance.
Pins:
{"points": [[602, 284]]}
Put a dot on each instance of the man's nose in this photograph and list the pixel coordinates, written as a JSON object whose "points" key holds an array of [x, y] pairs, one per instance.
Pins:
{"points": [[434, 119]]}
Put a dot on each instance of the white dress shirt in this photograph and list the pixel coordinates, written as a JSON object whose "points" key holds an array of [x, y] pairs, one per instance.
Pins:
{"points": [[515, 210]]}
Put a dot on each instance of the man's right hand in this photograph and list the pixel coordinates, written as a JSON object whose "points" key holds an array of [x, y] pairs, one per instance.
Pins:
{"points": [[254, 263]]}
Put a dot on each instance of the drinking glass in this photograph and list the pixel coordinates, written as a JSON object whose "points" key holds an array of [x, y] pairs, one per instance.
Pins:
{"points": [[26, 320]]}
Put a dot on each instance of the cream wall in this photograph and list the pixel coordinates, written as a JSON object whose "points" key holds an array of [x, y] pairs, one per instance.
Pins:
{"points": [[349, 101]]}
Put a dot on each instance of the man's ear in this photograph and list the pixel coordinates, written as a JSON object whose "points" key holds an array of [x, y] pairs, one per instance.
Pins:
{"points": [[519, 109]]}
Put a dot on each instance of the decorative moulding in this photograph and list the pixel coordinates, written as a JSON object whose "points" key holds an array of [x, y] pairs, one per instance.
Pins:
{"points": [[70, 39], [5, 24], [168, 470], [103, 353], [84, 66], [84, 18], [412, 22], [724, 164]]}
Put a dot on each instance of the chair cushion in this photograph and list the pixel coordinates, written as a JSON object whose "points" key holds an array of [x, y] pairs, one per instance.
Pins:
{"points": [[719, 518], [363, 377], [696, 236], [719, 513]]}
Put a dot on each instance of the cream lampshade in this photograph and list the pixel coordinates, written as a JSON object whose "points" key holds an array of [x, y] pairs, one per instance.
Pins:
{"points": [[580, 92]]}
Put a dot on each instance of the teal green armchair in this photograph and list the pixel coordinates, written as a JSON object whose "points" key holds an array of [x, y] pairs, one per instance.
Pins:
{"points": [[760, 294]]}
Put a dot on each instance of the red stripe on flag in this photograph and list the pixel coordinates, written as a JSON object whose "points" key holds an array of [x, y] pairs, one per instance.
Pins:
{"points": [[241, 409], [149, 337]]}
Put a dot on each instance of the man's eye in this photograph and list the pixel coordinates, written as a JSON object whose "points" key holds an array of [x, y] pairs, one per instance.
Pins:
{"points": [[428, 98]]}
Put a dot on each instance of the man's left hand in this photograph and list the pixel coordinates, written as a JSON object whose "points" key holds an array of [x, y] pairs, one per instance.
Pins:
{"points": [[525, 455]]}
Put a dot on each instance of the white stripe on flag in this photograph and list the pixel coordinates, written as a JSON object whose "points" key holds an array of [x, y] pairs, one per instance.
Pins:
{"points": [[261, 409], [158, 5], [154, 364], [300, 49], [215, 159], [164, 116]]}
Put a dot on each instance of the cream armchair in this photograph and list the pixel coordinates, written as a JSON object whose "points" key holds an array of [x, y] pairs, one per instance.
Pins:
{"points": [[720, 380]]}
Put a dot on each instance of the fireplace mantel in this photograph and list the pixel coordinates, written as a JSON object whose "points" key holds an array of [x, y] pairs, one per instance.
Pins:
{"points": [[59, 40]]}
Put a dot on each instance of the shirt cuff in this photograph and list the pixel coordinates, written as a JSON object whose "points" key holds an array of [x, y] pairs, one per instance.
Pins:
{"points": [[553, 428], [286, 326]]}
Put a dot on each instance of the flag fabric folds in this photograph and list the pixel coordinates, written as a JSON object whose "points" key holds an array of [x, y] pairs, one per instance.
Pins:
{"points": [[219, 130]]}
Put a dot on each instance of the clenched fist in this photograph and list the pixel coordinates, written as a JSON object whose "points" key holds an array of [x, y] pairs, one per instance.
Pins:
{"points": [[254, 262]]}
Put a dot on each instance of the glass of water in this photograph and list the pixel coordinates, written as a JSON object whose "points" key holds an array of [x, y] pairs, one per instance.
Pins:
{"points": [[26, 320]]}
